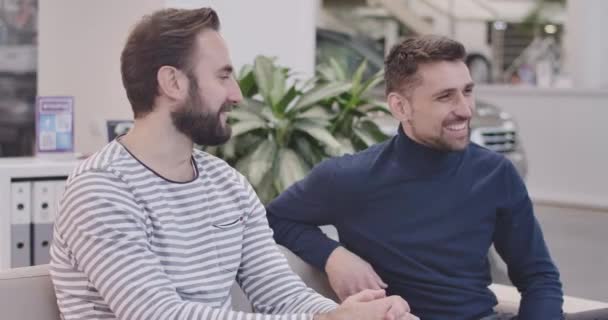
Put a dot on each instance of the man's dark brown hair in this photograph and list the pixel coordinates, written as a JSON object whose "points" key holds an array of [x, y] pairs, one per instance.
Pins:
{"points": [[164, 38], [402, 62]]}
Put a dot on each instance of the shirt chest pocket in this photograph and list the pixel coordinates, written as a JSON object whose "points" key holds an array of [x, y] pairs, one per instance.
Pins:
{"points": [[209, 263], [228, 242]]}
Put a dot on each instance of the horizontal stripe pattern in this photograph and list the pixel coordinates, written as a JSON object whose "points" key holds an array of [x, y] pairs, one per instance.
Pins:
{"points": [[129, 244]]}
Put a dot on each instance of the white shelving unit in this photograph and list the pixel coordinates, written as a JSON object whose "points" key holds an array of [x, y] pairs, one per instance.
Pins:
{"points": [[29, 188]]}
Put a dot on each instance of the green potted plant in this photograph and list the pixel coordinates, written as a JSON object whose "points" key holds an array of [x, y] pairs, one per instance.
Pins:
{"points": [[280, 130], [354, 109], [285, 126]]}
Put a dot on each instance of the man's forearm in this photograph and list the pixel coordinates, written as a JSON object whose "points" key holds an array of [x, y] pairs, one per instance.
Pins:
{"points": [[306, 241]]}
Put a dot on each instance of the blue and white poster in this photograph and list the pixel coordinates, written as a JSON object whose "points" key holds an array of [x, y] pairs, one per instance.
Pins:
{"points": [[55, 124]]}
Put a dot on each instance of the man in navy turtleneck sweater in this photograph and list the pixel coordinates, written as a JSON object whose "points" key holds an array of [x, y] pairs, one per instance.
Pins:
{"points": [[417, 214]]}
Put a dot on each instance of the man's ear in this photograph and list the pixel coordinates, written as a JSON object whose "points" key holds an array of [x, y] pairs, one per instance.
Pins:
{"points": [[172, 83], [400, 107]]}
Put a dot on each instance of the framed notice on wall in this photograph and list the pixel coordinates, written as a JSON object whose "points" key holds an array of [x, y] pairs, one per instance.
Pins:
{"points": [[54, 125]]}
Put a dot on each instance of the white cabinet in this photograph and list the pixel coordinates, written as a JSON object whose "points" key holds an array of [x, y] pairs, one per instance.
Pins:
{"points": [[30, 189]]}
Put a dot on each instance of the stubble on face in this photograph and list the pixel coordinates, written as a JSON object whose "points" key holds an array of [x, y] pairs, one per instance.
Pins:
{"points": [[196, 120]]}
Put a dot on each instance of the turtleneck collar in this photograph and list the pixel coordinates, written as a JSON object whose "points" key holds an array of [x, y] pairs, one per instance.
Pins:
{"points": [[423, 161]]}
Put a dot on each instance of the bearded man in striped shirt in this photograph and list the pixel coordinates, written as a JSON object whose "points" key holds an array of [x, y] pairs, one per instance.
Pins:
{"points": [[151, 228]]}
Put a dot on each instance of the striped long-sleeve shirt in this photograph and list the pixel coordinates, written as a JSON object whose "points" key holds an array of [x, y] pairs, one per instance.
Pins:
{"points": [[129, 244]]}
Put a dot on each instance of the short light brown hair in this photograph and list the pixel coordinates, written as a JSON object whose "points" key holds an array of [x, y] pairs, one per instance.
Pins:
{"points": [[164, 38], [401, 64]]}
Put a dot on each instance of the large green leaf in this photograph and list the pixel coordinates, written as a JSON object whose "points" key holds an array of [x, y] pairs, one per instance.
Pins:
{"points": [[278, 88], [243, 114], [326, 73], [263, 70], [318, 115], [246, 143], [270, 117], [374, 129], [371, 82], [318, 132], [320, 93], [246, 126], [369, 133], [258, 107], [261, 161], [266, 190], [242, 166], [347, 145], [315, 113], [248, 85], [270, 170], [375, 106], [307, 151], [228, 149], [245, 70], [308, 84], [365, 136], [289, 96], [290, 169], [358, 76], [251, 104], [338, 70]]}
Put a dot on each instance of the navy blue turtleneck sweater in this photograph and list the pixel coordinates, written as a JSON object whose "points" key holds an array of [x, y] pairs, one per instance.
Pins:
{"points": [[425, 219]]}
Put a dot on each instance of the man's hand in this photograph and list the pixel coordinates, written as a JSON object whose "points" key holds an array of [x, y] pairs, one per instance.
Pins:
{"points": [[370, 305], [348, 274]]}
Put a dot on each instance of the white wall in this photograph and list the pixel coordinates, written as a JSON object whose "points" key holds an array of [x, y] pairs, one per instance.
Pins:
{"points": [[587, 44], [281, 28], [565, 137], [79, 55]]}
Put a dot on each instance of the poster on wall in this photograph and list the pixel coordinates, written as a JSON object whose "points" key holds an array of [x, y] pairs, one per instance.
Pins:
{"points": [[54, 125]]}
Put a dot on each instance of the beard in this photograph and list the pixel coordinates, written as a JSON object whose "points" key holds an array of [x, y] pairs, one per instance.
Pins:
{"points": [[442, 142], [449, 145], [196, 120]]}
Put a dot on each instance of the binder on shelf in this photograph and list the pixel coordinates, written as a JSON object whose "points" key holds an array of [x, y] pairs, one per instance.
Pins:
{"points": [[43, 211], [21, 224]]}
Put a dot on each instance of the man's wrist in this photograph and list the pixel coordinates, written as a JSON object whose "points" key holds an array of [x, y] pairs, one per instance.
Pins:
{"points": [[332, 255]]}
